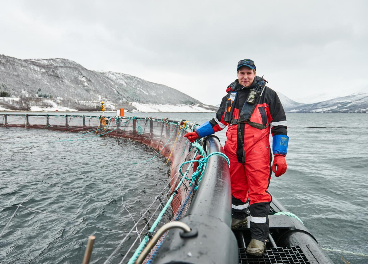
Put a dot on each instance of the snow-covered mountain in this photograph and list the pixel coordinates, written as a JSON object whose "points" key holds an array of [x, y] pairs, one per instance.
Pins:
{"points": [[47, 83], [39, 81], [287, 103], [355, 103]]}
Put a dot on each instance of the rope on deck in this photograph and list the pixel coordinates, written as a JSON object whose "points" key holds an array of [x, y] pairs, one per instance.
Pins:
{"points": [[198, 174], [289, 214]]}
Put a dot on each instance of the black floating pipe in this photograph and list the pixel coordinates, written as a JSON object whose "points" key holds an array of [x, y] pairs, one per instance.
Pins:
{"points": [[295, 234], [209, 217], [299, 236]]}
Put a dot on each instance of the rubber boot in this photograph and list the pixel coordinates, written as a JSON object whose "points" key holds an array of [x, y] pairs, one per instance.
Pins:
{"points": [[236, 223], [256, 247], [239, 213]]}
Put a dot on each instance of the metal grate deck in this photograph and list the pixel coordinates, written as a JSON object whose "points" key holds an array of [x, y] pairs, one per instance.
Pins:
{"points": [[292, 255]]}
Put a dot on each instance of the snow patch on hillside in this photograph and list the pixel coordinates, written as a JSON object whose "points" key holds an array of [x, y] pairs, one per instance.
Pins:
{"points": [[52, 109], [169, 108], [4, 109]]}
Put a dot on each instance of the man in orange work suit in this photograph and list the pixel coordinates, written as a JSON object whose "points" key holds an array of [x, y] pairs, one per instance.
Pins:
{"points": [[252, 111]]}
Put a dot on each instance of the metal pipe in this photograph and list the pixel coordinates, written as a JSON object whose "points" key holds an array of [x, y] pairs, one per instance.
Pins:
{"points": [[272, 241], [151, 127], [118, 122], [167, 130], [27, 120], [241, 240], [88, 253], [134, 126], [156, 237]]}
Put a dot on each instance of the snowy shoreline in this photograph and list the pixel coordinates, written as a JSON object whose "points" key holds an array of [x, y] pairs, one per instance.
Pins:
{"points": [[143, 108], [155, 108]]}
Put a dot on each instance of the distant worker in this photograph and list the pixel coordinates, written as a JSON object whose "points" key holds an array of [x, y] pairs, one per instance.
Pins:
{"points": [[103, 122], [251, 110]]}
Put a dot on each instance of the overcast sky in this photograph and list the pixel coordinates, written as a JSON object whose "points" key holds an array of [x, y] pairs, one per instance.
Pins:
{"points": [[307, 49]]}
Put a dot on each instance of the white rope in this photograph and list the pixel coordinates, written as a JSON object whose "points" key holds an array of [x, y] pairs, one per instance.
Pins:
{"points": [[139, 235], [130, 231], [10, 220], [19, 205], [130, 215]]}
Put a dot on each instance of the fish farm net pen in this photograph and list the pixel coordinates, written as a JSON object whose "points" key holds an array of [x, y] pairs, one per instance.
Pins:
{"points": [[164, 135]]}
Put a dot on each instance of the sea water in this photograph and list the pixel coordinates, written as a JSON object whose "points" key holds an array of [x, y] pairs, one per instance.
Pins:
{"points": [[58, 188]]}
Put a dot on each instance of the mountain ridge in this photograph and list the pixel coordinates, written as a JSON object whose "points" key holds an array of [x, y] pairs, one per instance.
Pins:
{"points": [[70, 84], [354, 103], [45, 82]]}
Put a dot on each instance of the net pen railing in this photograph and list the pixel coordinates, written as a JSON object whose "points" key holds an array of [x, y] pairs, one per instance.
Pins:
{"points": [[48, 121]]}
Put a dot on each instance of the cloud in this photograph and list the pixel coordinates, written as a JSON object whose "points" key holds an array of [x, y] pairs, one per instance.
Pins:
{"points": [[302, 47]]}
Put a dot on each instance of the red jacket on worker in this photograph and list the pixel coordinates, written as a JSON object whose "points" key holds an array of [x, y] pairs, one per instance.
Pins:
{"points": [[251, 114]]}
